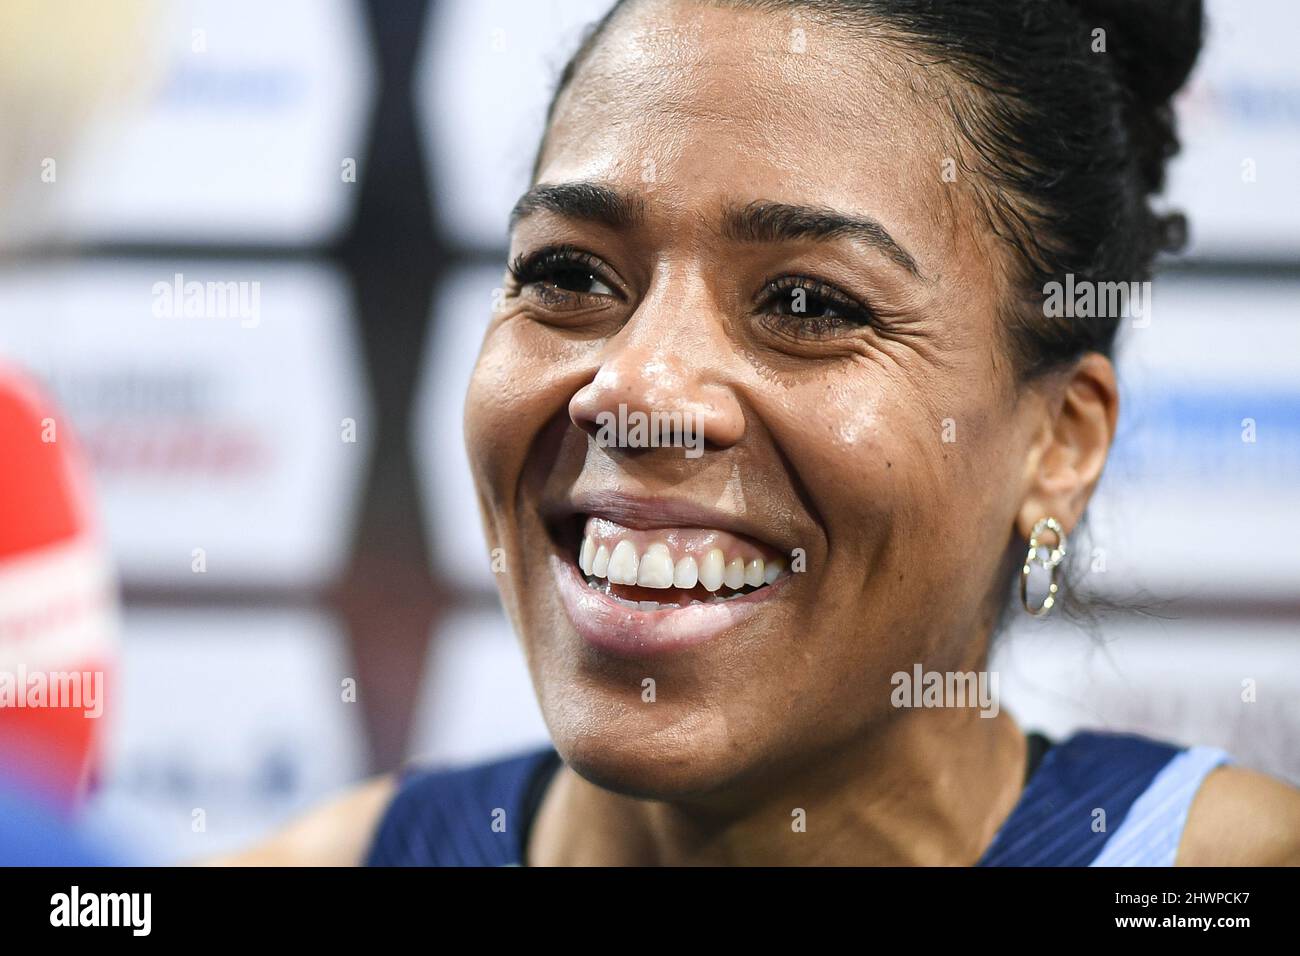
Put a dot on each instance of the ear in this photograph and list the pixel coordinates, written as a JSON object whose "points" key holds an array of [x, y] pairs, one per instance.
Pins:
{"points": [[1069, 452]]}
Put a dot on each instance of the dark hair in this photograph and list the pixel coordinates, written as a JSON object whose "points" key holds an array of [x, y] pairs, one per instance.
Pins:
{"points": [[1064, 133]]}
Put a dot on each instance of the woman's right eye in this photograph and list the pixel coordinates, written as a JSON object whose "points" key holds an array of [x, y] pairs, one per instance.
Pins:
{"points": [[577, 280], [562, 274]]}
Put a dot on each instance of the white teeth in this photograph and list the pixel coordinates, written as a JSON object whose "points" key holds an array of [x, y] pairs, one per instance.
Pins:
{"points": [[656, 568], [734, 575], [622, 564], [711, 570], [686, 574]]}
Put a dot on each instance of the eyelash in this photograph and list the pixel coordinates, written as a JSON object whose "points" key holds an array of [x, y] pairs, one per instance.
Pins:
{"points": [[541, 266], [852, 312]]}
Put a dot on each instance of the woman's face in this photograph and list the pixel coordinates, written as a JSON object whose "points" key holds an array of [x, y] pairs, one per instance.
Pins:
{"points": [[763, 237]]}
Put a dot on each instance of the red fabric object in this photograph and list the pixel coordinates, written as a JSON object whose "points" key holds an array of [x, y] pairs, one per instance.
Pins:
{"points": [[58, 612]]}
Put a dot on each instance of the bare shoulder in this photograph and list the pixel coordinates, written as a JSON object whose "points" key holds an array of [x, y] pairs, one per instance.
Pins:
{"points": [[1242, 818], [336, 833]]}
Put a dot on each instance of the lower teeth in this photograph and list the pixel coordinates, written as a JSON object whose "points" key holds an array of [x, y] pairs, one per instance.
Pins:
{"points": [[603, 586]]}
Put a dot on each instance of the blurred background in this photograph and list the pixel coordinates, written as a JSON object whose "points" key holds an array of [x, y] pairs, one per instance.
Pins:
{"points": [[282, 488]]}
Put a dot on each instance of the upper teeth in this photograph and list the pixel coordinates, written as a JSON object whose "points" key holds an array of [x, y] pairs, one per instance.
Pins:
{"points": [[623, 564], [657, 569]]}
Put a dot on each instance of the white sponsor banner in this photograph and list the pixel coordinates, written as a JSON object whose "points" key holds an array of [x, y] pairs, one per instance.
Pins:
{"points": [[1201, 495], [227, 723], [486, 72], [476, 698], [240, 131], [221, 405], [1239, 123], [462, 306]]}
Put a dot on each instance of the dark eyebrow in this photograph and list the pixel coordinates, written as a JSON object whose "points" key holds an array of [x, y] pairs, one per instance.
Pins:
{"points": [[581, 200], [763, 221]]}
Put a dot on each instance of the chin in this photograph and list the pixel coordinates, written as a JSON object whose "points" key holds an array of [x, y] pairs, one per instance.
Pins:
{"points": [[667, 754]]}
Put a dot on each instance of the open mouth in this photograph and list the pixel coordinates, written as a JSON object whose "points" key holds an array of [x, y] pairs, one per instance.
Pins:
{"points": [[663, 569]]}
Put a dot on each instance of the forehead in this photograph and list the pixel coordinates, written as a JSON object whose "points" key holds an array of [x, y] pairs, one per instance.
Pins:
{"points": [[700, 103]]}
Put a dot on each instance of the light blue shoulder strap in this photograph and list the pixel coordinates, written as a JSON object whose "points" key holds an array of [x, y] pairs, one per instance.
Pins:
{"points": [[1151, 830]]}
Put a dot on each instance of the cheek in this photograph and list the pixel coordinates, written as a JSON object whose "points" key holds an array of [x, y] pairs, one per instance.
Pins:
{"points": [[894, 469], [859, 445], [518, 384]]}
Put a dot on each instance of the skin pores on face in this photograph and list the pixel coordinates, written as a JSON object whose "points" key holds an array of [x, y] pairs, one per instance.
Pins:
{"points": [[890, 452]]}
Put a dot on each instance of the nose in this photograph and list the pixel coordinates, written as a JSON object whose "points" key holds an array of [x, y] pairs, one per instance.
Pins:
{"points": [[667, 368]]}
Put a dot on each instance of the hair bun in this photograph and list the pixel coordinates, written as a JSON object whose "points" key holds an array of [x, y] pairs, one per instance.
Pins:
{"points": [[1152, 46], [1154, 42]]}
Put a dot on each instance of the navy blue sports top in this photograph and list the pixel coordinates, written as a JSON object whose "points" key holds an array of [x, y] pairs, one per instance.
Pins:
{"points": [[1097, 799]]}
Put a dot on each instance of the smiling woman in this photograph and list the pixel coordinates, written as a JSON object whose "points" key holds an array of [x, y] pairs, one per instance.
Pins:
{"points": [[821, 230]]}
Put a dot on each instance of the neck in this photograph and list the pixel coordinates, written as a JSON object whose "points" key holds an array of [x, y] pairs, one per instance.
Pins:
{"points": [[930, 788]]}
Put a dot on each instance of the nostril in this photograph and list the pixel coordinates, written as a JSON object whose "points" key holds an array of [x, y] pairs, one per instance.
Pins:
{"points": [[628, 412], [588, 401], [590, 427]]}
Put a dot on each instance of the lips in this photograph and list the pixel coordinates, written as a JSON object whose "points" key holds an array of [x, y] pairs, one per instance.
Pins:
{"points": [[634, 583]]}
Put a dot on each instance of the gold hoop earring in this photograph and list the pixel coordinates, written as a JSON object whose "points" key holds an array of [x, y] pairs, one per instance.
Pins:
{"points": [[1051, 563]]}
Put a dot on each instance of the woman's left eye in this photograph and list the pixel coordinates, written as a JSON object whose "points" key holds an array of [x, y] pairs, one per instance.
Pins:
{"points": [[813, 307]]}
